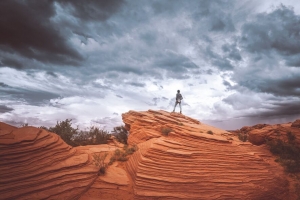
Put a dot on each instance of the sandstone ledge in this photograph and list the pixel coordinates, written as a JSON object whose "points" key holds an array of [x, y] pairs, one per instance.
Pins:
{"points": [[191, 164]]}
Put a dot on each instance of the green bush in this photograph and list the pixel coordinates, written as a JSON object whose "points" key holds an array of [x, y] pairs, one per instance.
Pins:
{"points": [[99, 162], [166, 130], [130, 150], [288, 152], [65, 130], [121, 134], [291, 137], [44, 127], [98, 136], [74, 137], [121, 155], [243, 137], [210, 132]]}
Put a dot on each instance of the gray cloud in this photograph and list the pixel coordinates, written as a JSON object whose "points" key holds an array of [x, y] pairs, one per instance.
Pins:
{"points": [[136, 84], [4, 109], [217, 60], [32, 97], [92, 10], [98, 48], [174, 62], [278, 30], [232, 51], [26, 29]]}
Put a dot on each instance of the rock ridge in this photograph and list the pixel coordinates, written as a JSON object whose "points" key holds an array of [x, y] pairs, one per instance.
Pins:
{"points": [[189, 163]]}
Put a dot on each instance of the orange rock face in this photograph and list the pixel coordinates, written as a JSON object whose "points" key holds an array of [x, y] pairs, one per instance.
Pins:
{"points": [[189, 163], [258, 134], [177, 158], [36, 164]]}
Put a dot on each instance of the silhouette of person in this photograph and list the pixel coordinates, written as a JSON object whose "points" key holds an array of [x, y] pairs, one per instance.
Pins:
{"points": [[178, 100]]}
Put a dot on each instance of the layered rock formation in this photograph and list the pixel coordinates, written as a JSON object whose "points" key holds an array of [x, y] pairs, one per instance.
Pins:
{"points": [[37, 164], [178, 158], [189, 163], [258, 134]]}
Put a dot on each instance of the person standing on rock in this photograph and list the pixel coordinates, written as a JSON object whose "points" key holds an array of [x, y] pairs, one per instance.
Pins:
{"points": [[178, 100]]}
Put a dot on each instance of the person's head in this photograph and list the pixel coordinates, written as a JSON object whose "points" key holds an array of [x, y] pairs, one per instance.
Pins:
{"points": [[178, 91]]}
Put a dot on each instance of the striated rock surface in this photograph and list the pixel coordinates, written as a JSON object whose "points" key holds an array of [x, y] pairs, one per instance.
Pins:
{"points": [[258, 134], [296, 124], [177, 158], [189, 163], [37, 164]]}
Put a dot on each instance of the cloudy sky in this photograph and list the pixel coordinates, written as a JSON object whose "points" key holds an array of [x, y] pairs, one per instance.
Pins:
{"points": [[236, 63]]}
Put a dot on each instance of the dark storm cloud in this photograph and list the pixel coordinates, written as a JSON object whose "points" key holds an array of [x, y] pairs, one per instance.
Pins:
{"points": [[286, 85], [149, 38], [172, 61], [136, 84], [52, 74], [26, 29], [91, 9], [280, 109], [4, 109], [11, 63], [227, 84], [278, 30], [3, 85], [221, 22], [217, 60], [232, 51], [32, 97]]}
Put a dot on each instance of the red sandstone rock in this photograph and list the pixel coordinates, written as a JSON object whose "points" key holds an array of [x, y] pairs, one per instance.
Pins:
{"points": [[191, 164], [296, 124], [259, 134], [187, 163], [36, 164]]}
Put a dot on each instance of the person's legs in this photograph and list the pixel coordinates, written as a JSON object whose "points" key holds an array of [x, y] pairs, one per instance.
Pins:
{"points": [[180, 107], [175, 106]]}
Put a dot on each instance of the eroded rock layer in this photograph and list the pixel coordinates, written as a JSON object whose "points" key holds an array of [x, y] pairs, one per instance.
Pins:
{"points": [[37, 164], [260, 133], [196, 161]]}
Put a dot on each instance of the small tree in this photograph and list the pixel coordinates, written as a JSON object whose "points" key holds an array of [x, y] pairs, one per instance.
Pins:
{"points": [[121, 134], [99, 162], [99, 136], [165, 131], [65, 130]]}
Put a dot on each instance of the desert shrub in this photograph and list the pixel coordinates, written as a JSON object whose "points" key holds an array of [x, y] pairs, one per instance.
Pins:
{"points": [[99, 162], [44, 127], [210, 132], [180, 123], [242, 137], [24, 125], [74, 137], [82, 138], [166, 130], [121, 134], [98, 136], [65, 130], [121, 155], [291, 137], [91, 137], [288, 152], [130, 150]]}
